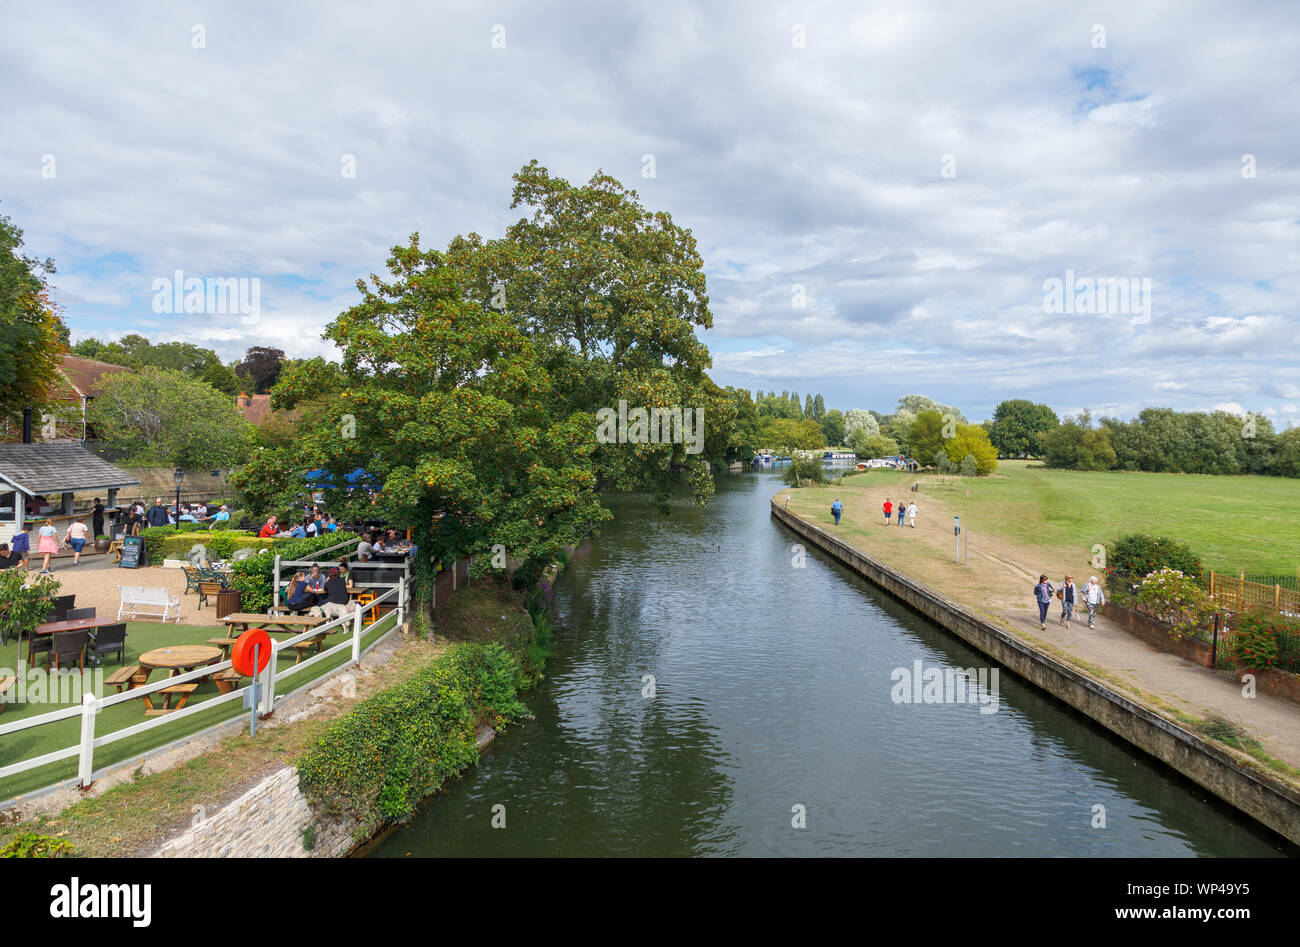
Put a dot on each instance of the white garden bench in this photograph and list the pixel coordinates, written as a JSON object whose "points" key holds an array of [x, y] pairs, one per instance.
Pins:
{"points": [[142, 602]]}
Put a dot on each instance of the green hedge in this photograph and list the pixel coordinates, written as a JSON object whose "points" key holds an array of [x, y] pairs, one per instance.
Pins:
{"points": [[221, 545], [394, 749]]}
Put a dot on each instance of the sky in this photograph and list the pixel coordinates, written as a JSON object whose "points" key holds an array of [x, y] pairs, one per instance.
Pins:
{"points": [[882, 193]]}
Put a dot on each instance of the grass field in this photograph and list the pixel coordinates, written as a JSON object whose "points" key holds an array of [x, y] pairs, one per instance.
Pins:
{"points": [[140, 637], [1232, 523]]}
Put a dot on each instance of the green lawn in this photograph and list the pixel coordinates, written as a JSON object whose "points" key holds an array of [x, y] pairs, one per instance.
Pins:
{"points": [[1232, 523], [140, 637]]}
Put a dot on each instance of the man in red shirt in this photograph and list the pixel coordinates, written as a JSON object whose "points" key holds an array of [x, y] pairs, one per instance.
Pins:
{"points": [[270, 528], [887, 508]]}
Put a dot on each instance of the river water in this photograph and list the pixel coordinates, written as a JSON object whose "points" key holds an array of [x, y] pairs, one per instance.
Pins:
{"points": [[771, 705]]}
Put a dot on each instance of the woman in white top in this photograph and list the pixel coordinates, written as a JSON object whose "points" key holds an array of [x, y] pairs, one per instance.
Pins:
{"points": [[76, 538]]}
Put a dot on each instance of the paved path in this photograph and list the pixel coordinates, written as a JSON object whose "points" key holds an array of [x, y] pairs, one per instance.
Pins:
{"points": [[997, 582]]}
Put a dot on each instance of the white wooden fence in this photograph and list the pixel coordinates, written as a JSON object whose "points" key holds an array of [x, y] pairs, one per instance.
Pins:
{"points": [[271, 676]]}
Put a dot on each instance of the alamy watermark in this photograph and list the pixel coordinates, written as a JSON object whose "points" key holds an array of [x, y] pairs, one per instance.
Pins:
{"points": [[1125, 296], [61, 686], [653, 426], [945, 685], [214, 296]]}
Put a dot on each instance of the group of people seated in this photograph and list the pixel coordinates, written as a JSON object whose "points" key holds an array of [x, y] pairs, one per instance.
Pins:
{"points": [[312, 524], [388, 543], [318, 594]]}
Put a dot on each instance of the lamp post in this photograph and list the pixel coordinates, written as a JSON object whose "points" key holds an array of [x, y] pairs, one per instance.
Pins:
{"points": [[178, 476]]}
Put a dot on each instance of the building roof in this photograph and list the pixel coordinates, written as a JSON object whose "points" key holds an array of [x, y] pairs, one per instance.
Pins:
{"points": [[82, 373], [58, 468], [254, 408]]}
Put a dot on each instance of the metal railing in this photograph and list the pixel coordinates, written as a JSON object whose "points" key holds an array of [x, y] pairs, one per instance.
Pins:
{"points": [[92, 705]]}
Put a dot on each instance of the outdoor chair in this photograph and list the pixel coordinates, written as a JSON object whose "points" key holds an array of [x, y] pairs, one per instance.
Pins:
{"points": [[108, 640], [41, 644], [67, 646], [61, 605], [75, 613]]}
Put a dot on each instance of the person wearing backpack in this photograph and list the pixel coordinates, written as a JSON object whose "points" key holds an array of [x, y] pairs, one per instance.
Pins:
{"points": [[837, 508], [1043, 595]]}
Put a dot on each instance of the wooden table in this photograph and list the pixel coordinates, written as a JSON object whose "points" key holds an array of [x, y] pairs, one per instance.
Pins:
{"points": [[177, 658], [240, 622], [72, 624]]}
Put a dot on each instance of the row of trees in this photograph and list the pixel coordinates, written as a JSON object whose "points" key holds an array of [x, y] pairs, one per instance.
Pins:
{"points": [[1166, 441], [256, 373]]}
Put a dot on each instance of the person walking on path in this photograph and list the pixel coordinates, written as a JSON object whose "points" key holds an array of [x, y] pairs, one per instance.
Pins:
{"points": [[48, 544], [902, 512], [888, 508], [1043, 594], [911, 514], [837, 508], [1069, 595], [1093, 597], [76, 538], [158, 513], [22, 543]]}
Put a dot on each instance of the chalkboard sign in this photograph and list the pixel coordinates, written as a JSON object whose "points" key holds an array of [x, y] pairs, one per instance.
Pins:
{"points": [[133, 554]]}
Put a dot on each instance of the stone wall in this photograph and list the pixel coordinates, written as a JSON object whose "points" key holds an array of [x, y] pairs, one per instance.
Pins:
{"points": [[268, 821], [1257, 793]]}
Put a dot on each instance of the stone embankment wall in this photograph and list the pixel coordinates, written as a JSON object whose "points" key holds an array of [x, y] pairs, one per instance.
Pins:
{"points": [[271, 820], [1255, 792]]}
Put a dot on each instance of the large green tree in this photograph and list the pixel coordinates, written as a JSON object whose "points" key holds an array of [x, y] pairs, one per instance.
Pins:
{"points": [[1018, 427], [32, 336], [447, 406], [611, 295], [161, 417]]}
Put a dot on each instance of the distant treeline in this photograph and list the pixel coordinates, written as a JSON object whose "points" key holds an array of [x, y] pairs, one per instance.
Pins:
{"points": [[1162, 440]]}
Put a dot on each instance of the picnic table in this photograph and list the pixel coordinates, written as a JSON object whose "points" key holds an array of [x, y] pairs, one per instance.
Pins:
{"points": [[239, 622], [175, 659]]}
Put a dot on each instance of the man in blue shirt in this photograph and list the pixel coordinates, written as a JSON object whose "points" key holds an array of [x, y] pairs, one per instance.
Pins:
{"points": [[837, 508]]}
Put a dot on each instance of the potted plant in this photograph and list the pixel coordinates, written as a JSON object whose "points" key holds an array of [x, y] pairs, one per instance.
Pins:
{"points": [[102, 543]]}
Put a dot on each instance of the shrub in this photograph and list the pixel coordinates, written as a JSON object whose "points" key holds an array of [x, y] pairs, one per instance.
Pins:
{"points": [[1138, 555], [1255, 645], [1176, 599], [25, 605], [803, 469], [220, 545], [399, 746], [32, 845]]}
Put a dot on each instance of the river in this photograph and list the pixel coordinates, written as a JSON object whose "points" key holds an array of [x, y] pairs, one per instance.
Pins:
{"points": [[772, 705]]}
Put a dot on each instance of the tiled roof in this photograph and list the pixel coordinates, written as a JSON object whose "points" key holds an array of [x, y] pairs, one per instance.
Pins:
{"points": [[58, 468], [254, 408], [84, 372]]}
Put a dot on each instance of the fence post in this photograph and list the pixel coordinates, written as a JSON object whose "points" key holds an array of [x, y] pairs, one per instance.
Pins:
{"points": [[89, 707], [268, 683], [275, 587], [1214, 643], [356, 636], [401, 600], [1277, 598]]}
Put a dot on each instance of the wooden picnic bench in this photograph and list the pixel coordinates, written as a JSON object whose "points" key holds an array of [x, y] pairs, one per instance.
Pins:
{"points": [[239, 622], [127, 677]]}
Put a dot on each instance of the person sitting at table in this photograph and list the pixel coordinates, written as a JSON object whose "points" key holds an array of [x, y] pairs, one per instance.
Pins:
{"points": [[331, 524], [187, 516], [221, 516], [296, 595], [270, 528], [315, 586], [365, 549], [310, 526], [337, 586], [298, 532], [8, 559]]}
